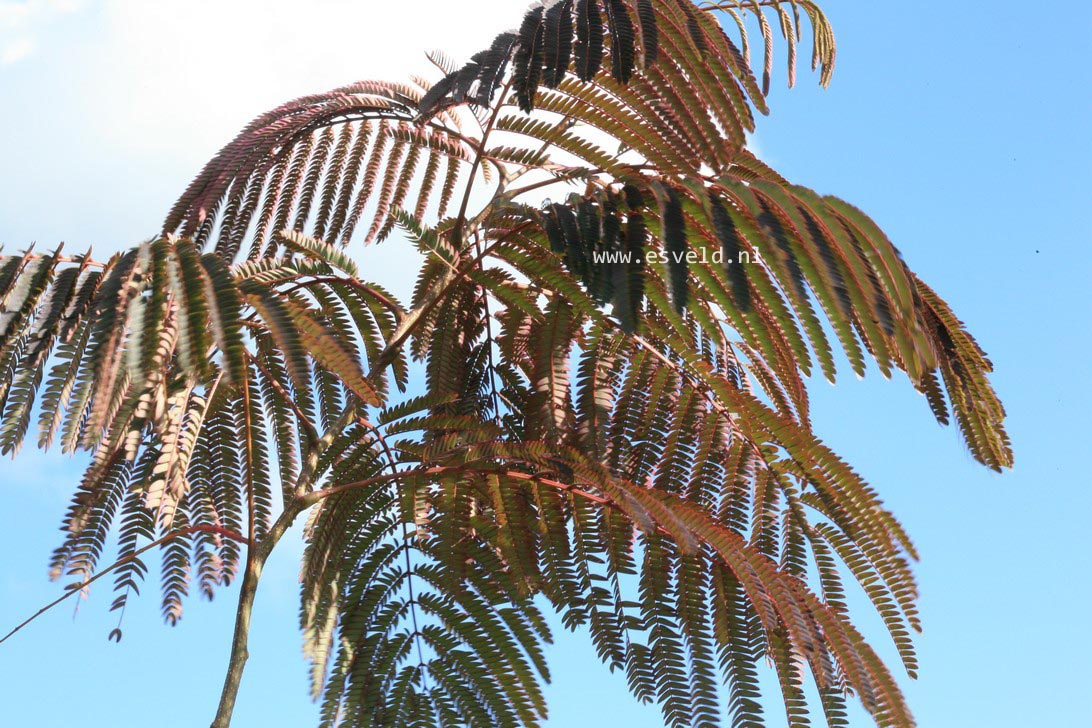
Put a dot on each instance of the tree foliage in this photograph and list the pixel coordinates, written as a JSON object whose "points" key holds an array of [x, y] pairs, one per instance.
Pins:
{"points": [[611, 418]]}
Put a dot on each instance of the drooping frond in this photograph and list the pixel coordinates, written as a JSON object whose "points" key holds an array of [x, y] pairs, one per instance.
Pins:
{"points": [[674, 25], [409, 614], [171, 368], [589, 38], [648, 413], [758, 256], [554, 40], [786, 15], [324, 165], [706, 592]]}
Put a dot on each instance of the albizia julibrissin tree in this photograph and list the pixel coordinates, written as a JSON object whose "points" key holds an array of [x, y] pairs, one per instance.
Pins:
{"points": [[610, 418]]}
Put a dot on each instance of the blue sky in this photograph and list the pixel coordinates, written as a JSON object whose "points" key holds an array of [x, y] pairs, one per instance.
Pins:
{"points": [[963, 132]]}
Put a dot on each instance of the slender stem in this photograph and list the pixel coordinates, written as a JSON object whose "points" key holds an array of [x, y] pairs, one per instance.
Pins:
{"points": [[486, 130], [83, 260], [77, 588], [318, 495], [256, 558], [239, 651], [514, 193]]}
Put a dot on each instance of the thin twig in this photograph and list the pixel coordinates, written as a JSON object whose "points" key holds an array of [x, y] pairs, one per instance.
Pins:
{"points": [[77, 588]]}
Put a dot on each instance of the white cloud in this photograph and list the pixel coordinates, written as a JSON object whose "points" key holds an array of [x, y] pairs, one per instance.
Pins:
{"points": [[21, 22], [15, 51], [194, 72], [141, 94], [16, 13]]}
